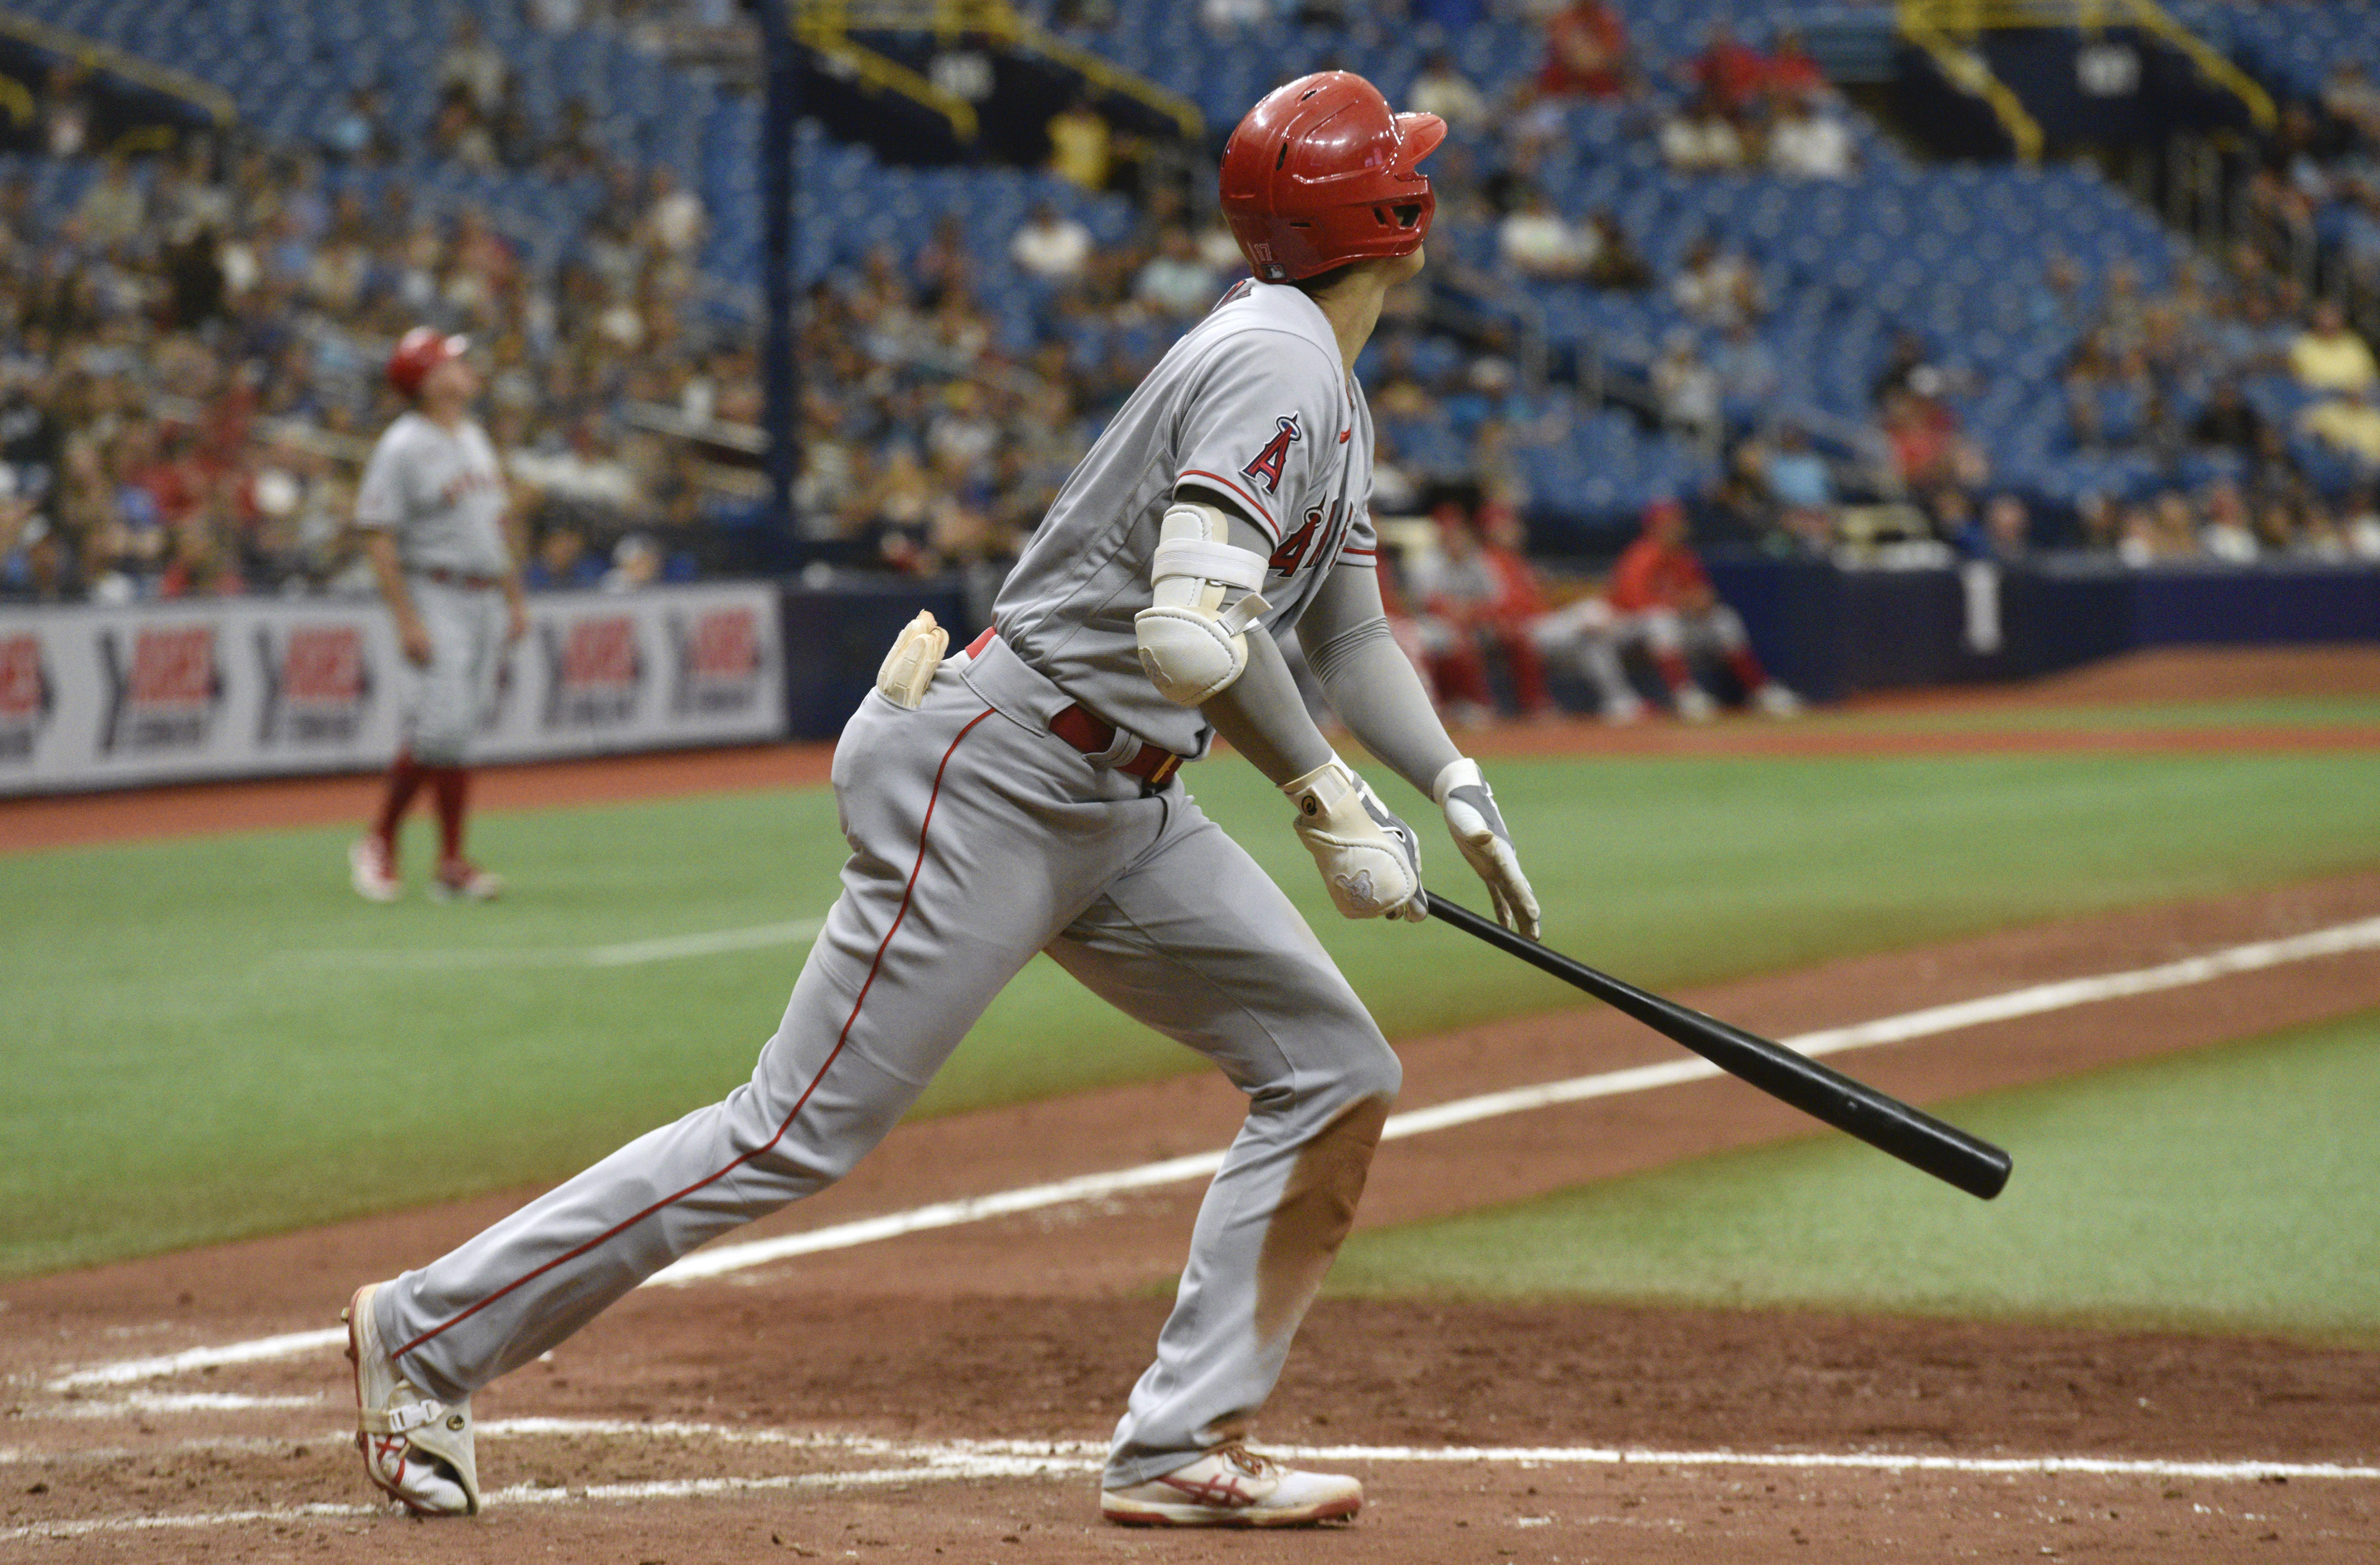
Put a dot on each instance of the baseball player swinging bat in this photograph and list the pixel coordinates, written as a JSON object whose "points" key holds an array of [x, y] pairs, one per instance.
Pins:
{"points": [[1885, 1122], [1022, 796]]}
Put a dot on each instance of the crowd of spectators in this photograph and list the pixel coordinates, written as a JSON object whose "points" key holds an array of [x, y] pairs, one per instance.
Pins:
{"points": [[190, 367], [2168, 376], [190, 351]]}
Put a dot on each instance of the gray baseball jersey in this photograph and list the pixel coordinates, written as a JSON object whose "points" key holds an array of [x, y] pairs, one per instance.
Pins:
{"points": [[979, 837], [441, 493], [1252, 403]]}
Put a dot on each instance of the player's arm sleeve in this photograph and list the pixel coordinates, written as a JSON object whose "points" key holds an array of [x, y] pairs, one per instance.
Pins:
{"points": [[381, 499], [1373, 686], [1261, 713]]}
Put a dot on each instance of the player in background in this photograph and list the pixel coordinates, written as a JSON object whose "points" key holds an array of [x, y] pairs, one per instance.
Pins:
{"points": [[1578, 636], [1659, 590], [432, 511], [1023, 796]]}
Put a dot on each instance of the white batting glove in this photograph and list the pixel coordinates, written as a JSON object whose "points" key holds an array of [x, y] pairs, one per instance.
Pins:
{"points": [[1478, 829], [1369, 859]]}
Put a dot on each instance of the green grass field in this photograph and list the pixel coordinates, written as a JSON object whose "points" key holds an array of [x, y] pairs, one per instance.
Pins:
{"points": [[2235, 1188], [213, 1037], [2271, 712]]}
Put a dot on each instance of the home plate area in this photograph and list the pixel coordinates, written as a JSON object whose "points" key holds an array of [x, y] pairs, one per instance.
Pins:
{"points": [[971, 1428]]}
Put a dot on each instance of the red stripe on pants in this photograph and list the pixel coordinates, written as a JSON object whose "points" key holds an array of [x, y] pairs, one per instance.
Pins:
{"points": [[924, 826]]}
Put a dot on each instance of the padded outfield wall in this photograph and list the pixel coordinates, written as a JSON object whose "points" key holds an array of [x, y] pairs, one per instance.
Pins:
{"points": [[103, 698]]}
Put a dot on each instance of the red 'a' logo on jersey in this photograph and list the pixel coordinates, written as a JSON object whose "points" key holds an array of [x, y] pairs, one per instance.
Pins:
{"points": [[1270, 460]]}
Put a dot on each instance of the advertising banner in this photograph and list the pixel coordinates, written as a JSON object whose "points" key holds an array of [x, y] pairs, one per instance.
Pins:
{"points": [[97, 698]]}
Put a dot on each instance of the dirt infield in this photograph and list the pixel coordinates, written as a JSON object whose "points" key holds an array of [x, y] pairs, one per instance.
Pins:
{"points": [[2170, 675], [943, 1393]]}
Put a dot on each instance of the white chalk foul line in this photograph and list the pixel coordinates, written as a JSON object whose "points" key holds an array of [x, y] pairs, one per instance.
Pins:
{"points": [[625, 953], [124, 1372], [1082, 1455], [2255, 956], [954, 1460], [670, 948]]}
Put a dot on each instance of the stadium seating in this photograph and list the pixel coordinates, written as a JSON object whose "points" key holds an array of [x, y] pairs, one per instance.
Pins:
{"points": [[1957, 254]]}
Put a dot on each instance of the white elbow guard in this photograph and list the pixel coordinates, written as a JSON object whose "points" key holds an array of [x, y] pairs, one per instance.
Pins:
{"points": [[1191, 647]]}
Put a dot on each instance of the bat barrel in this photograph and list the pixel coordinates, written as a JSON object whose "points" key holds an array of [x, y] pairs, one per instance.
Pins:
{"points": [[1882, 1121]]}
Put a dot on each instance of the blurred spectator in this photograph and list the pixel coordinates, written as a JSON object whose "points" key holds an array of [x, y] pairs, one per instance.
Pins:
{"points": [[2360, 527], [1687, 388], [635, 564], [2351, 95], [1051, 244], [2230, 421], [1727, 74], [1175, 280], [2227, 534], [1616, 262], [1665, 598], [66, 112], [114, 208], [674, 218], [2003, 534], [1792, 74], [1444, 91], [1700, 139], [1228, 17], [1798, 477], [1081, 145], [1586, 52], [1921, 436], [472, 66], [1806, 144], [557, 16], [356, 131], [2329, 357], [1749, 379], [1535, 241], [1717, 287], [562, 562], [2350, 424]]}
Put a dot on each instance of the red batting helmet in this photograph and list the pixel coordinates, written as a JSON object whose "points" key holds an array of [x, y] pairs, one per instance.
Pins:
{"points": [[419, 351], [1321, 173]]}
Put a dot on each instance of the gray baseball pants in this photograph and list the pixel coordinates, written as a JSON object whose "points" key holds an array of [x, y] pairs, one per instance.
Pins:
{"points": [[445, 702], [979, 838]]}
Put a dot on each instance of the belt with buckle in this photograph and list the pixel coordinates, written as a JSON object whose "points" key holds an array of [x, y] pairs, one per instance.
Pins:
{"points": [[445, 578], [1093, 735], [1083, 729]]}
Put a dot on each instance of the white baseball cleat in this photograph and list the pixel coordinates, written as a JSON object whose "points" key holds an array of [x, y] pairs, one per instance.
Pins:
{"points": [[1232, 1486], [458, 880], [416, 1447], [1695, 705], [1775, 700], [370, 872], [1622, 711]]}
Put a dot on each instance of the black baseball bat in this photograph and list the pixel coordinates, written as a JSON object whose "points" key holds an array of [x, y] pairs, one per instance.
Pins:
{"points": [[1885, 1122]]}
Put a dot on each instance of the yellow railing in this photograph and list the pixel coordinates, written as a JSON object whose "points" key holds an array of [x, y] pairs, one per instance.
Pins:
{"points": [[999, 21], [90, 52], [1965, 70], [1967, 19], [820, 25]]}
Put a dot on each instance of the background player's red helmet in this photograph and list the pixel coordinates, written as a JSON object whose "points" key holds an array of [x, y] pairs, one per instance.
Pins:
{"points": [[419, 351], [1321, 173]]}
